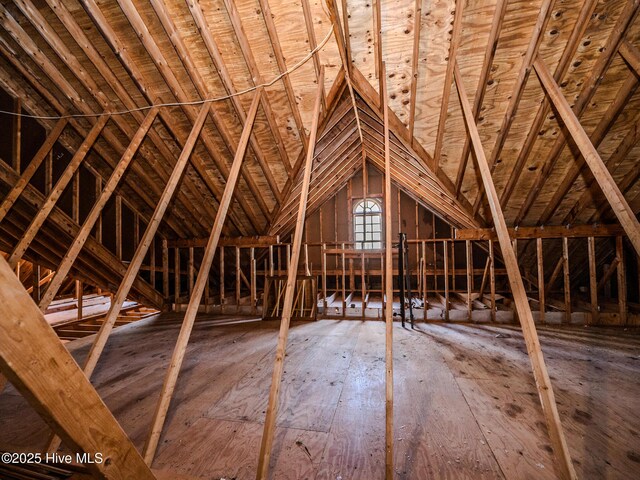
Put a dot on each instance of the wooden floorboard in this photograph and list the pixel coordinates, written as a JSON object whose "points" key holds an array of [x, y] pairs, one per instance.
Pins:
{"points": [[465, 400]]}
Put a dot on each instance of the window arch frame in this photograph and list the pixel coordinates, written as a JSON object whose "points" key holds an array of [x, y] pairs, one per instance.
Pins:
{"points": [[367, 224]]}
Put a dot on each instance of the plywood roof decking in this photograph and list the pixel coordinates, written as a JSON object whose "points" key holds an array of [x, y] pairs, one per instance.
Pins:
{"points": [[88, 56]]}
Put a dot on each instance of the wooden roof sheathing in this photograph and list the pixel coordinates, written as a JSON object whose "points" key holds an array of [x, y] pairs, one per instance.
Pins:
{"points": [[45, 61]]}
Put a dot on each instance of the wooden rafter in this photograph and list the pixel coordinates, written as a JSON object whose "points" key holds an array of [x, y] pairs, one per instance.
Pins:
{"points": [[415, 55], [50, 70], [388, 284], [586, 94], [94, 214], [485, 72], [75, 66], [198, 290], [257, 79], [313, 43], [568, 53], [278, 369], [541, 376], [448, 80], [56, 192], [134, 266], [518, 89], [597, 136], [40, 367], [608, 185], [286, 80], [174, 85], [36, 161]]}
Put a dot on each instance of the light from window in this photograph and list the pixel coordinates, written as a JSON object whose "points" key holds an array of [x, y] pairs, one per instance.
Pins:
{"points": [[367, 225]]}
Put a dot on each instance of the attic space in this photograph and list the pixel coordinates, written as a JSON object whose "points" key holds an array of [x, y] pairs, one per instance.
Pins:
{"points": [[321, 239]]}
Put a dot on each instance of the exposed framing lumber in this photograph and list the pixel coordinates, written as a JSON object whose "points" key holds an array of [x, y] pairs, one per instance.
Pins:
{"points": [[218, 61], [631, 55], [569, 52], [138, 257], [551, 231], [278, 369], [388, 282], [16, 143], [28, 353], [541, 292], [94, 214], [339, 36], [593, 283], [257, 79], [46, 251], [597, 136], [586, 94], [56, 192], [277, 50], [485, 72], [50, 35], [622, 281], [541, 376], [198, 290], [313, 43], [600, 172], [112, 39], [415, 55], [567, 279], [68, 90], [448, 80], [518, 90], [27, 174]]}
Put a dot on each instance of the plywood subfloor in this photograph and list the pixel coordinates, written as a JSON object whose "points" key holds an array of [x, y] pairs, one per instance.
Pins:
{"points": [[465, 402]]}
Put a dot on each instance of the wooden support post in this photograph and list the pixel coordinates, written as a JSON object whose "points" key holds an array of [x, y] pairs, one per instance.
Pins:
{"points": [[34, 360], [165, 269], [152, 262], [75, 197], [138, 257], [254, 295], [191, 270], [363, 286], [278, 368], [221, 276], [388, 266], [593, 284], [492, 280], [324, 276], [79, 297], [27, 174], [48, 171], [196, 294], [541, 297], [445, 246], [94, 215], [176, 276], [469, 279], [238, 285], [55, 194], [600, 172], [35, 274], [622, 281], [567, 280], [425, 295], [99, 221], [541, 376], [119, 227], [16, 138]]}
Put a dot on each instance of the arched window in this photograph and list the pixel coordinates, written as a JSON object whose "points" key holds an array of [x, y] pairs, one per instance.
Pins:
{"points": [[367, 224]]}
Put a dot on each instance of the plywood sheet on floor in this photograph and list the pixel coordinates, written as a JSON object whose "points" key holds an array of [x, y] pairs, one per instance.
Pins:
{"points": [[465, 401]]}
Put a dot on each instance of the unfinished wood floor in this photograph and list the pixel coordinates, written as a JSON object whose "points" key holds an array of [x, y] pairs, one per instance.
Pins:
{"points": [[465, 402]]}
